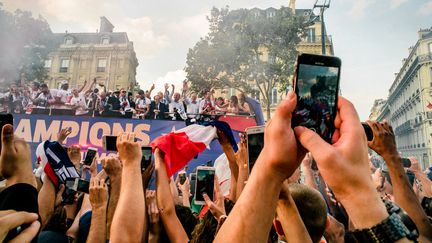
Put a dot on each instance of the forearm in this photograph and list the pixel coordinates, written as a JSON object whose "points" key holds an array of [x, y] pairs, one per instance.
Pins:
{"points": [[154, 233], [292, 224], [229, 152], [46, 200], [128, 218], [185, 198], [243, 177], [251, 218], [425, 183], [405, 196], [309, 178], [97, 231], [113, 200], [233, 189]]}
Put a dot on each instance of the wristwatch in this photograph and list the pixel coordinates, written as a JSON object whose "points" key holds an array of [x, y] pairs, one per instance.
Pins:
{"points": [[390, 230]]}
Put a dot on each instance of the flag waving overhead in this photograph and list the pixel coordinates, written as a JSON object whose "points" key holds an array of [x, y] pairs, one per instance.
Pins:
{"points": [[183, 145]]}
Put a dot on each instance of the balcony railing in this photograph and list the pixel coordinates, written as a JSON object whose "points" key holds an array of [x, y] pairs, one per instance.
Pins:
{"points": [[316, 39]]}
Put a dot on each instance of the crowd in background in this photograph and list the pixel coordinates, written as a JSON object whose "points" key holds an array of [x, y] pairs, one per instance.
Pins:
{"points": [[90, 101], [301, 189]]}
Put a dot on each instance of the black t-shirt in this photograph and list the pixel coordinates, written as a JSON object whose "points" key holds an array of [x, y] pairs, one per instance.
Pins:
{"points": [[20, 197]]}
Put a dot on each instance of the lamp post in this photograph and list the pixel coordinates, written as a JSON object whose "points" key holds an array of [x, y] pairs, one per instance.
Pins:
{"points": [[325, 5]]}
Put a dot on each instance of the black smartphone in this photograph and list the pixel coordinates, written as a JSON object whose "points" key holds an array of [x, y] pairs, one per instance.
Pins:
{"points": [[90, 155], [204, 183], [109, 143], [146, 157], [317, 88], [77, 185], [406, 162], [182, 177], [4, 119], [368, 131], [255, 143]]}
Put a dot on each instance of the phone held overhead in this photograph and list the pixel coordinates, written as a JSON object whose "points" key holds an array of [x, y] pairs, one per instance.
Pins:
{"points": [[255, 143]]}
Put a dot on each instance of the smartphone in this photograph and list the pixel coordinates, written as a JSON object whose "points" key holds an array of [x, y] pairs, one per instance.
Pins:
{"points": [[255, 143], [406, 162], [146, 157], [182, 177], [317, 88], [204, 183], [77, 185], [90, 155], [109, 143], [368, 131], [192, 181], [5, 119]]}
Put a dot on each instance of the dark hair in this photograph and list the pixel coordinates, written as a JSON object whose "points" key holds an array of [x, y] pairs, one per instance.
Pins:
{"points": [[205, 231], [312, 209], [37, 84], [187, 219], [234, 100], [141, 92], [57, 221], [43, 85]]}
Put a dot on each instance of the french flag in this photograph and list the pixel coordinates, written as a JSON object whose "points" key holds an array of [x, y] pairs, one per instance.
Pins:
{"points": [[183, 145]]}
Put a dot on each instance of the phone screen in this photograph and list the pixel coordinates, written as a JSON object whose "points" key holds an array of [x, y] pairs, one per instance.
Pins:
{"points": [[204, 184], [146, 157], [192, 181], [91, 153], [317, 90], [182, 177], [255, 143], [83, 186], [111, 143], [5, 119]]}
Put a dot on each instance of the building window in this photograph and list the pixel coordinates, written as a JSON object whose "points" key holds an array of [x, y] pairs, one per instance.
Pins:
{"points": [[310, 35], [271, 14], [273, 97], [68, 41], [47, 64], [105, 41], [101, 65], [64, 65]]}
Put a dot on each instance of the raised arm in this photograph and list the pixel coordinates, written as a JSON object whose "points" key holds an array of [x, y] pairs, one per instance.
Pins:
{"points": [[172, 225], [385, 145], [83, 86], [98, 195], [245, 223], [128, 221], [308, 172], [113, 169], [151, 89], [229, 152]]}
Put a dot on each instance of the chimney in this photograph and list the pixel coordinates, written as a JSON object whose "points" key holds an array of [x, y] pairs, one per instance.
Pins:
{"points": [[105, 25], [292, 5]]}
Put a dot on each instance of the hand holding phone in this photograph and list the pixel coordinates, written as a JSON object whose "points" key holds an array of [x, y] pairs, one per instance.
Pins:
{"points": [[255, 143], [109, 143], [205, 177], [317, 89], [146, 158], [90, 155]]}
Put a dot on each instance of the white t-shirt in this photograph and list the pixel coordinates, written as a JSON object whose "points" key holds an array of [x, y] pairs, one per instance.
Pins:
{"points": [[79, 101]]}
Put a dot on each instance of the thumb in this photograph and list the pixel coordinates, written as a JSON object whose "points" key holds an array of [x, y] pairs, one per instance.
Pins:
{"points": [[7, 136], [312, 141], [207, 200]]}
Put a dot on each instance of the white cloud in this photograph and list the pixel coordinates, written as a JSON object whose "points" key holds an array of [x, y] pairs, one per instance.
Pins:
{"points": [[195, 25], [396, 3], [359, 8], [426, 8], [172, 77]]}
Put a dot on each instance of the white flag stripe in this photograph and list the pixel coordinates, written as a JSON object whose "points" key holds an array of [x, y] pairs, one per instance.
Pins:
{"points": [[198, 133]]}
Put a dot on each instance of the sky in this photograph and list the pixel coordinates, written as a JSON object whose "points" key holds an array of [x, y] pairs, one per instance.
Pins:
{"points": [[370, 36]]}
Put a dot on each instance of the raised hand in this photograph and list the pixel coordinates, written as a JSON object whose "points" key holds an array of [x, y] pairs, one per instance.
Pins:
{"points": [[217, 208], [129, 151], [112, 166], [63, 134], [344, 166], [384, 142], [74, 153], [98, 193], [152, 208]]}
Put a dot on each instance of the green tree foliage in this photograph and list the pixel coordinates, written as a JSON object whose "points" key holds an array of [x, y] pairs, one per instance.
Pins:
{"points": [[24, 46], [249, 50]]}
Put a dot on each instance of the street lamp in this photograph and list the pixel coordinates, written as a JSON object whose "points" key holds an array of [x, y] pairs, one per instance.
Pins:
{"points": [[325, 5]]}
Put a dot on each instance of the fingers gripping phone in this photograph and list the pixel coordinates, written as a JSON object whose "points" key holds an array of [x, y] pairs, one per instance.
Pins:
{"points": [[255, 143], [90, 155], [317, 89], [204, 183]]}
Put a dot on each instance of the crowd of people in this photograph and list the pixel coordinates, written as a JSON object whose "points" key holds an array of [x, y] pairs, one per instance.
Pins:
{"points": [[87, 100], [301, 189]]}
